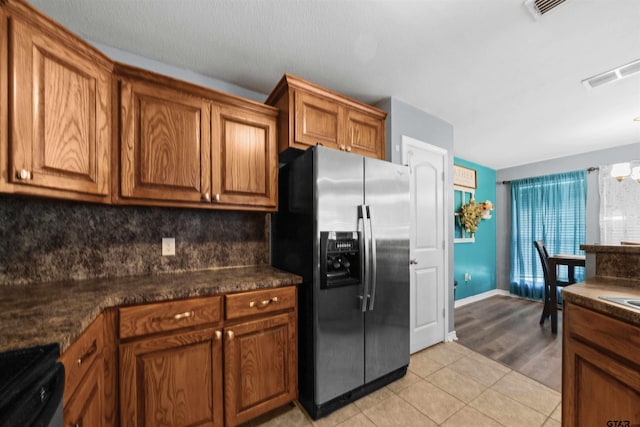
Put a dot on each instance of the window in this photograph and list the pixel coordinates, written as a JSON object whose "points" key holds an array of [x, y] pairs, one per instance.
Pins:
{"points": [[551, 208], [619, 207]]}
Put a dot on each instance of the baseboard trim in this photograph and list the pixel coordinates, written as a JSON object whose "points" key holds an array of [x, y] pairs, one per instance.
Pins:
{"points": [[451, 336], [480, 297]]}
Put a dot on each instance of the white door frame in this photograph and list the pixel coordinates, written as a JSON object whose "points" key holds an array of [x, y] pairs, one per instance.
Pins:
{"points": [[445, 294]]}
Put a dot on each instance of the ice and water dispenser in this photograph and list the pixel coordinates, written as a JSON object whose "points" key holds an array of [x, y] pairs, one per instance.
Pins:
{"points": [[339, 258]]}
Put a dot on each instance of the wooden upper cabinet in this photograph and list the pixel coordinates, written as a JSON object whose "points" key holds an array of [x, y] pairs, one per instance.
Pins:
{"points": [[165, 144], [244, 160], [184, 145], [312, 115], [60, 111], [317, 121], [365, 134]]}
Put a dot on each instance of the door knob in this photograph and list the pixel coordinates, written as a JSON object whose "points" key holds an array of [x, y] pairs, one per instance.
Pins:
{"points": [[413, 261]]}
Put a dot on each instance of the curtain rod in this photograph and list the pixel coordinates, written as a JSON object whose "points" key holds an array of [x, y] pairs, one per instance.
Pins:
{"points": [[589, 170]]}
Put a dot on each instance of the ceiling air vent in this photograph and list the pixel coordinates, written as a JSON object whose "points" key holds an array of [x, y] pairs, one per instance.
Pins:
{"points": [[539, 7], [611, 76]]}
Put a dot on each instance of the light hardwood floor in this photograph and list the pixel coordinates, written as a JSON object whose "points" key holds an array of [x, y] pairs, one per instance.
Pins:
{"points": [[506, 329]]}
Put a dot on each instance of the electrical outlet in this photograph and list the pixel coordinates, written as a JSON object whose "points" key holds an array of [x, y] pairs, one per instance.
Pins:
{"points": [[467, 277], [168, 246]]}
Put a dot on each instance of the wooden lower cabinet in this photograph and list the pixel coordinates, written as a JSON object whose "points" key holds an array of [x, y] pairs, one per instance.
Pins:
{"points": [[172, 380], [85, 407], [84, 393], [600, 375], [260, 366], [176, 369]]}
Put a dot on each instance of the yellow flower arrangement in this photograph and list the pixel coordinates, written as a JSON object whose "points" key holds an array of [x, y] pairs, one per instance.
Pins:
{"points": [[471, 214]]}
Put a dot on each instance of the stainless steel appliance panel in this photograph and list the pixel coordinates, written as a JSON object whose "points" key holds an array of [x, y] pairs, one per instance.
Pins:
{"points": [[339, 326], [387, 318]]}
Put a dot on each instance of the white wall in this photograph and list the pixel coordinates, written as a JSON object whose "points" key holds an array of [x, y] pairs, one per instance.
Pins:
{"points": [[177, 72], [564, 164]]}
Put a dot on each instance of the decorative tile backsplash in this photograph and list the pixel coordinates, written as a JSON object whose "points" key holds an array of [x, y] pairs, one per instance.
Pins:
{"points": [[51, 240]]}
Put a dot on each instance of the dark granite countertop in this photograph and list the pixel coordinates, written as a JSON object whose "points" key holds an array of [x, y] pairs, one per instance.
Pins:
{"points": [[59, 312], [588, 293]]}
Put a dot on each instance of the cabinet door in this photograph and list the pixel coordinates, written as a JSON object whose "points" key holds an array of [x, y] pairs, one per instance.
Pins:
{"points": [[244, 158], [260, 367], [602, 389], [60, 122], [164, 144], [601, 381], [173, 380], [365, 135], [85, 406], [317, 121]]}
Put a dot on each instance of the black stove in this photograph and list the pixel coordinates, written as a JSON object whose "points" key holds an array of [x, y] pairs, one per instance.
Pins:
{"points": [[31, 387]]}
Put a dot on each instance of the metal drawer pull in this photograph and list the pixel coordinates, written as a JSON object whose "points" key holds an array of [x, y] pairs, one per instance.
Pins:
{"points": [[178, 316], [263, 303], [88, 353], [183, 315]]}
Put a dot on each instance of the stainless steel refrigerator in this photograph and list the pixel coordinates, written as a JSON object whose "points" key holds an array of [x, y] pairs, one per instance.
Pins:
{"points": [[343, 225]]}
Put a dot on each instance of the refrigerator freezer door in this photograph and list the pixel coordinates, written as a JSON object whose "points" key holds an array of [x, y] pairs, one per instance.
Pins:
{"points": [[387, 321], [339, 323]]}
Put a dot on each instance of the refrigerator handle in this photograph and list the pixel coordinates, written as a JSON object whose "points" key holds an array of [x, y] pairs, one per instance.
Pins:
{"points": [[373, 258], [364, 256]]}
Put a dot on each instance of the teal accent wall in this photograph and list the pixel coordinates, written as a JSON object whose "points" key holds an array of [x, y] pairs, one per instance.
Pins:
{"points": [[477, 258]]}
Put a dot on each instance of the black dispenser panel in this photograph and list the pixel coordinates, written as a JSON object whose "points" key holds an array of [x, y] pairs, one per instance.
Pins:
{"points": [[339, 259]]}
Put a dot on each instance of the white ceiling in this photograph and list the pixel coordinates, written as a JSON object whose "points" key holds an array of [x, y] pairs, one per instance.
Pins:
{"points": [[510, 85]]}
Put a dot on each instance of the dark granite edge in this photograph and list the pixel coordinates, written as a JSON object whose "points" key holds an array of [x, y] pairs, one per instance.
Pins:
{"points": [[616, 249], [94, 299], [586, 294]]}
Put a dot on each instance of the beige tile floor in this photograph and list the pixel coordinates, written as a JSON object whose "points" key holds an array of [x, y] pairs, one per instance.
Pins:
{"points": [[446, 385]]}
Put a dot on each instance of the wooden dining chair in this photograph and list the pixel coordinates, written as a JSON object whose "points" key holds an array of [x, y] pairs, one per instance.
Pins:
{"points": [[544, 260]]}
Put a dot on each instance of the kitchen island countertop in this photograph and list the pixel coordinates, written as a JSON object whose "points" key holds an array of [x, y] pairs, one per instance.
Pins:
{"points": [[58, 312]]}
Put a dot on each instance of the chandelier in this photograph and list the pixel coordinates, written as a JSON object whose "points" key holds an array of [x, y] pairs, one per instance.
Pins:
{"points": [[621, 171]]}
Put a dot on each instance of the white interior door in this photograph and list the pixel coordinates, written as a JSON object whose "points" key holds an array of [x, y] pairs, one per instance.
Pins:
{"points": [[427, 242]]}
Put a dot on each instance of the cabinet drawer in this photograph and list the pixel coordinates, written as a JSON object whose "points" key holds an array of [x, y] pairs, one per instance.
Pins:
{"points": [[602, 331], [79, 357], [258, 302], [167, 316]]}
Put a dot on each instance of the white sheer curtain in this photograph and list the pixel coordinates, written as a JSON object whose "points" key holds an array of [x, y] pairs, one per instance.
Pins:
{"points": [[619, 207]]}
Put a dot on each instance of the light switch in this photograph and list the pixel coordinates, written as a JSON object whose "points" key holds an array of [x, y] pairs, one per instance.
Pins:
{"points": [[168, 246]]}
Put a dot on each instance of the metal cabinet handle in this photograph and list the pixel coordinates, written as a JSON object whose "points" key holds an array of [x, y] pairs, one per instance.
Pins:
{"points": [[349, 149], [178, 316], [230, 335], [24, 174], [413, 262], [184, 315], [263, 303], [217, 335], [88, 353], [206, 197], [217, 198], [79, 424]]}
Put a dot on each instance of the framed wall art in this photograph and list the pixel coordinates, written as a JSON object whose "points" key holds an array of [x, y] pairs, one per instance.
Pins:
{"points": [[464, 177]]}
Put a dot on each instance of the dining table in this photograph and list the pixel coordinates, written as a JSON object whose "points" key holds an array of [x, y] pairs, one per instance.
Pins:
{"points": [[571, 261]]}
